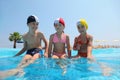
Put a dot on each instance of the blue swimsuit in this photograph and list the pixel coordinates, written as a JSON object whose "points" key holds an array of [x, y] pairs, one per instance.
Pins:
{"points": [[33, 51]]}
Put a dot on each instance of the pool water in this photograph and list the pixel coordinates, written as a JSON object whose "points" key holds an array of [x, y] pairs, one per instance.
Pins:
{"points": [[76, 69]]}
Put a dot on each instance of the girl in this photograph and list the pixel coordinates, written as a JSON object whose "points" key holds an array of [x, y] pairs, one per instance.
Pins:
{"points": [[58, 41], [83, 42]]}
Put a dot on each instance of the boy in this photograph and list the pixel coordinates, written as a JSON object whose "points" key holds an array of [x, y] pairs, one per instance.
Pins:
{"points": [[32, 41]]}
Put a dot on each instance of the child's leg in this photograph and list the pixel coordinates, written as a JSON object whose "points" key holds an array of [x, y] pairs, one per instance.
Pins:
{"points": [[63, 56], [25, 61], [36, 56], [63, 63], [105, 69], [55, 57], [27, 57], [7, 73]]}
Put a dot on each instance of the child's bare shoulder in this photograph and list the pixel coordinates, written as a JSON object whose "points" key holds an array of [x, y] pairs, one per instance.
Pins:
{"points": [[40, 34], [24, 36], [76, 37], [89, 36], [67, 36], [52, 35]]}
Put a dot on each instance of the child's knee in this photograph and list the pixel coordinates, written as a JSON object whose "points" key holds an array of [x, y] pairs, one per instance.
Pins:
{"points": [[55, 57]]}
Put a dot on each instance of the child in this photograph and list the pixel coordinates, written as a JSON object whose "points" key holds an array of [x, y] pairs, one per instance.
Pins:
{"points": [[83, 42], [32, 41], [58, 41], [57, 44]]}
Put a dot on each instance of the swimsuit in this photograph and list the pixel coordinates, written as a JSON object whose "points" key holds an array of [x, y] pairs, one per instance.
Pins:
{"points": [[58, 54], [34, 51], [82, 54], [56, 40], [78, 41]]}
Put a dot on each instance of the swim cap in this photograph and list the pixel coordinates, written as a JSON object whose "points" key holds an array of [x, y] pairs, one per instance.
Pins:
{"points": [[59, 20], [32, 18], [83, 22]]}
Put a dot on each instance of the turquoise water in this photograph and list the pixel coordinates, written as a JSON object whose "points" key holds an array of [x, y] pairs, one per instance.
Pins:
{"points": [[77, 69]]}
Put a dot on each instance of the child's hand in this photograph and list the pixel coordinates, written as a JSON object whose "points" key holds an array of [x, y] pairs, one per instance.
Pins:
{"points": [[90, 57], [46, 55], [69, 56]]}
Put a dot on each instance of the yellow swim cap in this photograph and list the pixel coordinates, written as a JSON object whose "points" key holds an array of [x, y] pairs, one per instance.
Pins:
{"points": [[83, 22]]}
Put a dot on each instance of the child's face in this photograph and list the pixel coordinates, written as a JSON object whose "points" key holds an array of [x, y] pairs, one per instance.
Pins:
{"points": [[59, 27], [33, 25], [81, 28]]}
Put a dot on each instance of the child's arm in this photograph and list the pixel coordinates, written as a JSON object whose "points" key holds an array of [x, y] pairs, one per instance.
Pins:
{"points": [[46, 45], [106, 70], [89, 48], [22, 50], [50, 46], [68, 46], [76, 46]]}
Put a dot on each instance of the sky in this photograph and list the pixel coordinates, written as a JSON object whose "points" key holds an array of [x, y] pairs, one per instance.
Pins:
{"points": [[102, 16]]}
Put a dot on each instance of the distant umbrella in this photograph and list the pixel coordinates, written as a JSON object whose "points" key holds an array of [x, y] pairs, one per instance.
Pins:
{"points": [[116, 40], [20, 41]]}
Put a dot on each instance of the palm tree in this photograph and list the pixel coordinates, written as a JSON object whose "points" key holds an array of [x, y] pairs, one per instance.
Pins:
{"points": [[15, 37]]}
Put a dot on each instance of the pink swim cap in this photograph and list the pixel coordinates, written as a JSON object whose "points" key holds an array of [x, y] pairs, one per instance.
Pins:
{"points": [[59, 20]]}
